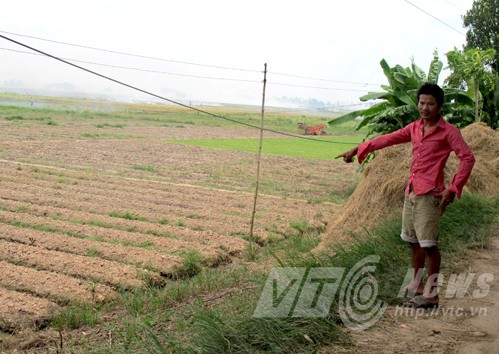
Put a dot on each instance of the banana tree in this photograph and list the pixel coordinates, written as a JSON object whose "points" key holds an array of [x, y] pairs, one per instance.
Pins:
{"points": [[471, 69], [397, 105]]}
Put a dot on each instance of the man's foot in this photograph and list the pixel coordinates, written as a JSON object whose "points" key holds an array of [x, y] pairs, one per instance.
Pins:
{"points": [[420, 302], [412, 293]]}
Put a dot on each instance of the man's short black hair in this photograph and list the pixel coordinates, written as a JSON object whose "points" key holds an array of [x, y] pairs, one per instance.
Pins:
{"points": [[429, 88]]}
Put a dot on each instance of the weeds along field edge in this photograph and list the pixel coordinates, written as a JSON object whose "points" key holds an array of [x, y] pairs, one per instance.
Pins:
{"points": [[214, 310]]}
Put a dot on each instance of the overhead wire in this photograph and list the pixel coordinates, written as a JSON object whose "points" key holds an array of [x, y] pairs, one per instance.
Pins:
{"points": [[131, 54], [187, 62], [190, 75], [322, 79], [317, 87], [454, 5], [136, 69], [167, 99], [436, 18]]}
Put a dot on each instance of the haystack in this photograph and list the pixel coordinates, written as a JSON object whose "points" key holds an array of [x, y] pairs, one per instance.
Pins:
{"points": [[380, 193]]}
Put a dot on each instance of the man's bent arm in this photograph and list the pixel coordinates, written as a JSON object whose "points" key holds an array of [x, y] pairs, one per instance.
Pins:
{"points": [[466, 162]]}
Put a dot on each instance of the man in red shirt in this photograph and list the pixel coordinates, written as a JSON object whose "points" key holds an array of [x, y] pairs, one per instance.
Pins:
{"points": [[426, 196]]}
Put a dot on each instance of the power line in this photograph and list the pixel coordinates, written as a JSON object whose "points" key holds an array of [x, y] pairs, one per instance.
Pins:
{"points": [[319, 79], [131, 54], [136, 69], [453, 5], [436, 18], [316, 87], [187, 75], [186, 62], [167, 99]]}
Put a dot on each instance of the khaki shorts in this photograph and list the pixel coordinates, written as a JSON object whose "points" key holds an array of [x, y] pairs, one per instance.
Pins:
{"points": [[420, 219]]}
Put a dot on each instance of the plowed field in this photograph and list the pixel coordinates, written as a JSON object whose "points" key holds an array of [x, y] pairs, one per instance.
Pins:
{"points": [[85, 216]]}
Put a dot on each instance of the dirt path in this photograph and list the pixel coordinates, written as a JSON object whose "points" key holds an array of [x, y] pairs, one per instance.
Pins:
{"points": [[489, 324], [461, 325]]}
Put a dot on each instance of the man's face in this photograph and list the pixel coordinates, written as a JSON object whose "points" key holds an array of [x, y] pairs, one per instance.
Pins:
{"points": [[428, 107]]}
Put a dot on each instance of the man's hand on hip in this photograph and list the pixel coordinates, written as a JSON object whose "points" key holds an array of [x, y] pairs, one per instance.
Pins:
{"points": [[447, 198]]}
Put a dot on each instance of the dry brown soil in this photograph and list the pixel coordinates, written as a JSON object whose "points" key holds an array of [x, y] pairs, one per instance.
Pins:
{"points": [[86, 211]]}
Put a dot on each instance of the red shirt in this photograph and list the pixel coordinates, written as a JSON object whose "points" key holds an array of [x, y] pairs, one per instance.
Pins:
{"points": [[429, 155]]}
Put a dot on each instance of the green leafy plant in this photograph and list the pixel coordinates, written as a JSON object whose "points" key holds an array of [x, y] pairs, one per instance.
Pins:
{"points": [[397, 105], [471, 71]]}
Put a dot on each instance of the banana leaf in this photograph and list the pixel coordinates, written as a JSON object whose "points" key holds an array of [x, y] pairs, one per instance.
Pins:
{"points": [[373, 96], [404, 97], [345, 118], [418, 72], [361, 113], [435, 68]]}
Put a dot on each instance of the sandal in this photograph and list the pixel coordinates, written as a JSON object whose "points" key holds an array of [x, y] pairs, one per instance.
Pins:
{"points": [[419, 302]]}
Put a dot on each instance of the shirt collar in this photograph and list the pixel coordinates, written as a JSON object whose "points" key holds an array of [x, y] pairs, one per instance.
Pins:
{"points": [[440, 123]]}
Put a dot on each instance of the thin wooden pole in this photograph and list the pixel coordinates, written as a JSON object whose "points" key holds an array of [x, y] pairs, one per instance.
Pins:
{"points": [[252, 223]]}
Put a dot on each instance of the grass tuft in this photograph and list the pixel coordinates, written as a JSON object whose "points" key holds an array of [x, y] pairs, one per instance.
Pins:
{"points": [[191, 266], [75, 317]]}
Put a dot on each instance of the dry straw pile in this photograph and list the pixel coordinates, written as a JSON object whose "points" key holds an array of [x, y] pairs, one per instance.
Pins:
{"points": [[381, 192]]}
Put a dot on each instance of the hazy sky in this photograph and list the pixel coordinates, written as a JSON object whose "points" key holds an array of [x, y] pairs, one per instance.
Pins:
{"points": [[339, 42]]}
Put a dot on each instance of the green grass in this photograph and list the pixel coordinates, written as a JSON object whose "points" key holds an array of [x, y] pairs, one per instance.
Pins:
{"points": [[108, 125], [51, 122], [128, 215], [325, 148], [93, 252], [212, 310], [191, 265], [148, 168], [121, 115], [15, 117], [110, 135], [75, 317]]}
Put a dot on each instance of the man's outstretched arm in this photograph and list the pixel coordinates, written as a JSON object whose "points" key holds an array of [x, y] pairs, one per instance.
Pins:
{"points": [[397, 137]]}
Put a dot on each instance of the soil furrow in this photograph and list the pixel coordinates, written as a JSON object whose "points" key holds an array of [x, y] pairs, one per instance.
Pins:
{"points": [[58, 288], [160, 247], [190, 194], [19, 311], [167, 265], [231, 245], [191, 164], [88, 268], [121, 208]]}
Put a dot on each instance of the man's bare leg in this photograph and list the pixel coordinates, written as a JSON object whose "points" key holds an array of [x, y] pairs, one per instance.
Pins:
{"points": [[434, 259], [418, 256]]}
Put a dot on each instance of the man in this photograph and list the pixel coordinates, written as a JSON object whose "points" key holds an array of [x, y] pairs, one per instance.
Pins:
{"points": [[426, 196]]}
